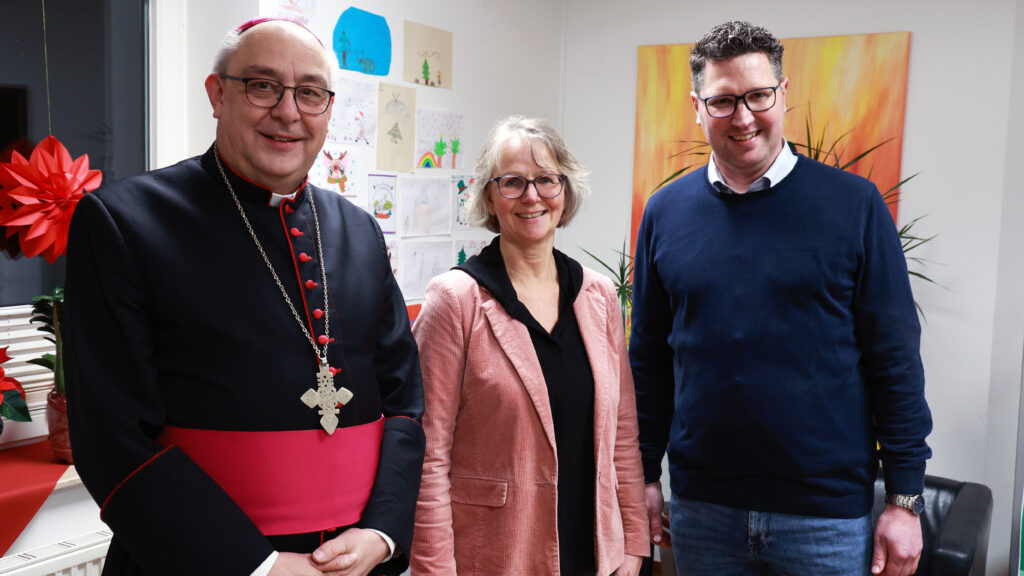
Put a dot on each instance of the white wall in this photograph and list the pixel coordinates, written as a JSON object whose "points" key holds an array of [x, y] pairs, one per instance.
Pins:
{"points": [[574, 62], [521, 73], [969, 186]]}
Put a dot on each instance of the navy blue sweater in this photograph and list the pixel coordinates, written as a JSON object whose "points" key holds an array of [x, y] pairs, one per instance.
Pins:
{"points": [[774, 341]]}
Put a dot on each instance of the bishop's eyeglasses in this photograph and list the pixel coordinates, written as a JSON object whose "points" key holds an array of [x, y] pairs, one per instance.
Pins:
{"points": [[546, 185], [267, 93], [756, 100]]}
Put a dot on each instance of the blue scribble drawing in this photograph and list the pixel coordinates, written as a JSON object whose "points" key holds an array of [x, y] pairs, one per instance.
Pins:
{"points": [[362, 42]]}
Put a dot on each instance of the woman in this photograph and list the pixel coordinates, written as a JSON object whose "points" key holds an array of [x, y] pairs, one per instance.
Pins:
{"points": [[532, 464]]}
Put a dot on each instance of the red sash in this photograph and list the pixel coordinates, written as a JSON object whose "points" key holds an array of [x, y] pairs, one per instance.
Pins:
{"points": [[289, 482]]}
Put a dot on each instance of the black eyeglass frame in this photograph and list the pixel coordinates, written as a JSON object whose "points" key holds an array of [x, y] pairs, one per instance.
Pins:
{"points": [[562, 179], [743, 97], [295, 96]]}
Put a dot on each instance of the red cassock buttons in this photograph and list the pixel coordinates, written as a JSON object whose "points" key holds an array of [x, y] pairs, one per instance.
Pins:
{"points": [[310, 284], [318, 313], [288, 209], [295, 232], [305, 257], [322, 340]]}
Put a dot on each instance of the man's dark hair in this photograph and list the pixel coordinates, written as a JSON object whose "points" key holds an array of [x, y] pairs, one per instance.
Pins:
{"points": [[733, 39]]}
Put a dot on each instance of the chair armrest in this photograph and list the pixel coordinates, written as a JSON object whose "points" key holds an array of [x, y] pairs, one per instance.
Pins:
{"points": [[961, 546]]}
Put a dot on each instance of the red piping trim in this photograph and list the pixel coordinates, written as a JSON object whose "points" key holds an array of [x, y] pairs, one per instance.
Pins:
{"points": [[406, 417], [295, 265], [128, 477]]}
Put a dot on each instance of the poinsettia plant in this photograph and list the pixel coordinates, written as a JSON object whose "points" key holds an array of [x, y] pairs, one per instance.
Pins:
{"points": [[12, 396], [39, 194]]}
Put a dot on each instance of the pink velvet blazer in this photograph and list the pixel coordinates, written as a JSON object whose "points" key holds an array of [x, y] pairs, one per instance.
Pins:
{"points": [[488, 498]]}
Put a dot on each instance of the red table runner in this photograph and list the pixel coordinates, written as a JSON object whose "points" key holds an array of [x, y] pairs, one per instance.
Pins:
{"points": [[28, 474]]}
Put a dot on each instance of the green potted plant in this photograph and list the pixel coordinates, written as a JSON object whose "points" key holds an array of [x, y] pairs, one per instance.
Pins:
{"points": [[622, 279], [48, 311]]}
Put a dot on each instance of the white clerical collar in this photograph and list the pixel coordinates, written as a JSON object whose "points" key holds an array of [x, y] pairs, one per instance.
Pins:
{"points": [[779, 169], [276, 199]]}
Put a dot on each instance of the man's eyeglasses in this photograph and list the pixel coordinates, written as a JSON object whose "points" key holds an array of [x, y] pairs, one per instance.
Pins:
{"points": [[546, 185], [267, 93], [756, 100]]}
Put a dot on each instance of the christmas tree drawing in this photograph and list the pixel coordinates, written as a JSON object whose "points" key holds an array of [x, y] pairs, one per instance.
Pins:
{"points": [[440, 148], [455, 150], [396, 134]]}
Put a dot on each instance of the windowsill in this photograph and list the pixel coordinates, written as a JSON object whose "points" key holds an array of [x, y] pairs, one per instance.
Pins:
{"points": [[70, 479]]}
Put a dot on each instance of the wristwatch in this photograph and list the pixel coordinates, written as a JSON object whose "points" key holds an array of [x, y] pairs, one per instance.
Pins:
{"points": [[912, 502]]}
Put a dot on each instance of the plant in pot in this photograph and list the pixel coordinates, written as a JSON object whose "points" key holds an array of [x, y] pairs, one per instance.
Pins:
{"points": [[12, 396], [48, 310]]}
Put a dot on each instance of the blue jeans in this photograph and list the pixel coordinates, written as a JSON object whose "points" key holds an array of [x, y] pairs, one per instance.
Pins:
{"points": [[713, 540]]}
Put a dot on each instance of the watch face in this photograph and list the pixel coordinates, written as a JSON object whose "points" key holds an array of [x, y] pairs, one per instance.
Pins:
{"points": [[918, 505]]}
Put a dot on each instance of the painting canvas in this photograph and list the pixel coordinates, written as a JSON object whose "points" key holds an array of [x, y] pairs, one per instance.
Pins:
{"points": [[362, 42], [396, 127], [854, 85], [354, 116], [439, 139], [427, 55]]}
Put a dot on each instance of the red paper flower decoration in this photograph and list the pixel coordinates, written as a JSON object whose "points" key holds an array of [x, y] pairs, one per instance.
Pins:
{"points": [[39, 195]]}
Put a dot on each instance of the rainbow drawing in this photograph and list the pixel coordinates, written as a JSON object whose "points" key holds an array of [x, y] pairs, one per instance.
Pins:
{"points": [[428, 160]]}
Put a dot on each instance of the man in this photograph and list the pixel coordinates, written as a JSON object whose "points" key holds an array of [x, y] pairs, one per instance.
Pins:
{"points": [[244, 388], [775, 342]]}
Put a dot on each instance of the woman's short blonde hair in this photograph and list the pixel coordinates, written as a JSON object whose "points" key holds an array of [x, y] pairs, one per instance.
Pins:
{"points": [[534, 131]]}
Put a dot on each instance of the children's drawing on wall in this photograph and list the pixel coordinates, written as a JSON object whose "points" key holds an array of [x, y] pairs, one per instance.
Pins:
{"points": [[298, 10], [460, 195], [426, 206], [343, 169], [427, 55], [422, 260], [466, 248], [362, 42], [391, 243], [396, 127], [354, 117], [438, 139], [382, 201]]}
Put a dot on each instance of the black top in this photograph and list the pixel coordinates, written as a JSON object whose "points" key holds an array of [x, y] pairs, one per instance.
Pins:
{"points": [[570, 383]]}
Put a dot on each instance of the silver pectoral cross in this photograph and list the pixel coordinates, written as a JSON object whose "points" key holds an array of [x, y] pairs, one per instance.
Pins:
{"points": [[326, 397]]}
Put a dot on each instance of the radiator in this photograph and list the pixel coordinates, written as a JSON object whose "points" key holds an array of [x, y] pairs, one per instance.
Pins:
{"points": [[81, 556]]}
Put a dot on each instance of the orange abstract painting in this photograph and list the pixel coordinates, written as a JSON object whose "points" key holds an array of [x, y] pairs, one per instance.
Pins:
{"points": [[854, 85]]}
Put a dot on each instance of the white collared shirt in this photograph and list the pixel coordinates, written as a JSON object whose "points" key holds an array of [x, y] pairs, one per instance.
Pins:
{"points": [[779, 169]]}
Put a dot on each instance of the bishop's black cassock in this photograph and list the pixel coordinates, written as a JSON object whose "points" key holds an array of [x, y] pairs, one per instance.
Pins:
{"points": [[185, 370]]}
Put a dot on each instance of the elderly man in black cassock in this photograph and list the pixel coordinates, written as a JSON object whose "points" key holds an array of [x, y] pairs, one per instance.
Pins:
{"points": [[244, 390]]}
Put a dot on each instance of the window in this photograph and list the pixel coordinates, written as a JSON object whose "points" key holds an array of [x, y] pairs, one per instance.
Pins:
{"points": [[87, 88]]}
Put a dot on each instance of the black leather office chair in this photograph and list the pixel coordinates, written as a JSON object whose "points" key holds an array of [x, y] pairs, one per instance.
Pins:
{"points": [[955, 526]]}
